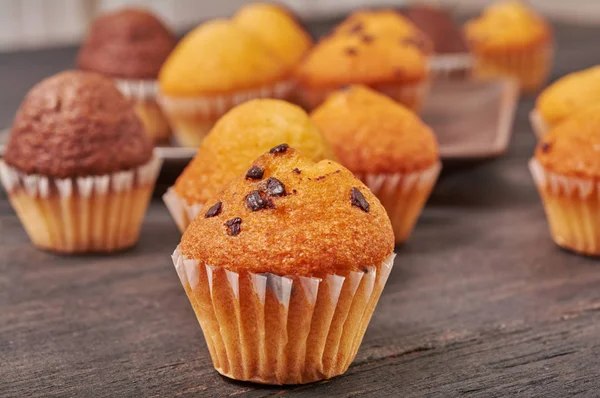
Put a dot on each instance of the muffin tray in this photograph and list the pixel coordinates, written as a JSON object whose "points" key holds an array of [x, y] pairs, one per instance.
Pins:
{"points": [[472, 119]]}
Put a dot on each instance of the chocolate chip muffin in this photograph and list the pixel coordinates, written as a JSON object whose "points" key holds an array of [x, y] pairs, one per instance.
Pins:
{"points": [[285, 267], [387, 146], [130, 45], [78, 167], [238, 138]]}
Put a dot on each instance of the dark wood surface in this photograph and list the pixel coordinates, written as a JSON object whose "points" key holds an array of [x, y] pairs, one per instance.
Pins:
{"points": [[480, 303]]}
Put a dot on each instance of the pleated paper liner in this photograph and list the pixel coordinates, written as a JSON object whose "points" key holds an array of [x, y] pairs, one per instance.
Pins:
{"points": [[410, 95], [403, 195], [85, 214], [192, 118], [531, 65], [451, 66], [539, 125], [274, 329], [572, 207], [144, 92], [182, 212]]}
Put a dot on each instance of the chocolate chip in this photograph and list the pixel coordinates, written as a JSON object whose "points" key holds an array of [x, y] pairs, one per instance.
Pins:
{"points": [[255, 201], [367, 38], [279, 149], [275, 187], [546, 146], [255, 173], [214, 210], [350, 51], [358, 200], [233, 226], [294, 191], [356, 28], [297, 171]]}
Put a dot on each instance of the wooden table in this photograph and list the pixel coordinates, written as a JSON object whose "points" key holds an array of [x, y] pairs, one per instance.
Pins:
{"points": [[480, 302]]}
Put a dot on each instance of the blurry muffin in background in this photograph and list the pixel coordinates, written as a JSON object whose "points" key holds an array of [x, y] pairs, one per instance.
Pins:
{"points": [[284, 270], [380, 49], [565, 97], [509, 39], [387, 146], [277, 28], [224, 63], [130, 46], [238, 138], [451, 57], [566, 170], [78, 167]]}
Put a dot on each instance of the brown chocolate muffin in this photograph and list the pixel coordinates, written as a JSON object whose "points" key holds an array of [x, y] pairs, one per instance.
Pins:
{"points": [[439, 26], [130, 44], [76, 124]]}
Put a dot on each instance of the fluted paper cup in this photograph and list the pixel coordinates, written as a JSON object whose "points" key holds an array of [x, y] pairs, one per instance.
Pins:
{"points": [[273, 329], [192, 118], [572, 207], [539, 125], [182, 212], [84, 214], [143, 93], [403, 195], [451, 66]]}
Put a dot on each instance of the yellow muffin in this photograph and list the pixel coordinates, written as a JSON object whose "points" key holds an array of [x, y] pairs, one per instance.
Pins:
{"points": [[392, 63], [509, 39], [564, 97], [236, 140], [387, 146], [215, 67], [277, 28], [284, 270], [566, 169]]}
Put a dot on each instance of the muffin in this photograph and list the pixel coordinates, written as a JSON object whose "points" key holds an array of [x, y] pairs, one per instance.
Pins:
{"points": [[511, 40], [565, 97], [242, 135], [566, 170], [214, 68], [451, 58], [380, 49], [277, 28], [284, 271], [385, 145], [130, 46], [78, 167]]}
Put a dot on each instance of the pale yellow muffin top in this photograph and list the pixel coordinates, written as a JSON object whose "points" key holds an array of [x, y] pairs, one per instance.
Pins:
{"points": [[569, 94], [219, 57], [239, 137], [370, 133], [277, 28], [299, 218], [506, 24]]}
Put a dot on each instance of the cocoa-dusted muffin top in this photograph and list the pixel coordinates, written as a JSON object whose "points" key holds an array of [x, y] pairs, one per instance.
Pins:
{"points": [[130, 44], [76, 124], [438, 25], [288, 215]]}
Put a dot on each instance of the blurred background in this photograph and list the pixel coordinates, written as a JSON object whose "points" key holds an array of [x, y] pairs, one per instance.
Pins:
{"points": [[28, 24]]}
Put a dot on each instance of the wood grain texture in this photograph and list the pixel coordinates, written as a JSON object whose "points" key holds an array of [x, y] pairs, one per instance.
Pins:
{"points": [[480, 303]]}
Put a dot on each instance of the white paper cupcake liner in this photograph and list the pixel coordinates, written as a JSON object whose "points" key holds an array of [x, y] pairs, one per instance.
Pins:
{"points": [[403, 195], [96, 213], [450, 66], [539, 125], [572, 207], [180, 210], [273, 329], [138, 89]]}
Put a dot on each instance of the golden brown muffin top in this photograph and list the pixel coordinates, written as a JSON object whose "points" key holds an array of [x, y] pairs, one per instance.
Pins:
{"points": [[299, 218], [76, 124], [219, 57], [569, 94], [130, 44], [506, 23], [370, 133], [239, 137], [573, 147], [277, 28]]}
